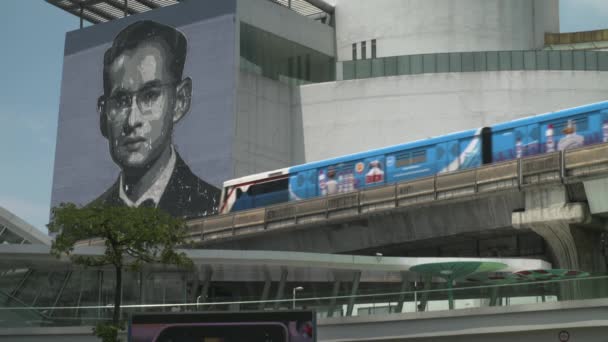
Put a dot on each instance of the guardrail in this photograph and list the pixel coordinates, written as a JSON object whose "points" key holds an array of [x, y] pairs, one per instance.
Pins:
{"points": [[559, 167], [465, 296]]}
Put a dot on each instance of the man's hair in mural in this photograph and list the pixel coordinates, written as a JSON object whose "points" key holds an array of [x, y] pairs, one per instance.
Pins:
{"points": [[131, 37]]}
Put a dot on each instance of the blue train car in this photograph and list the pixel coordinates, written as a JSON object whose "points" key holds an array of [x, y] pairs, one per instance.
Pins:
{"points": [[388, 165], [422, 158], [545, 133]]}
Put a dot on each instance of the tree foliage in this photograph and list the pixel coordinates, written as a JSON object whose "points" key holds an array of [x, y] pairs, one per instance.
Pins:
{"points": [[133, 237]]}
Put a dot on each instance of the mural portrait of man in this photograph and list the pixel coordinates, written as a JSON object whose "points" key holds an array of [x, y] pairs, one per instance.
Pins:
{"points": [[145, 94]]}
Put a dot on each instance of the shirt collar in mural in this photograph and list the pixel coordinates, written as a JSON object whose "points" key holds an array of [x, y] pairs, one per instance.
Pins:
{"points": [[155, 192]]}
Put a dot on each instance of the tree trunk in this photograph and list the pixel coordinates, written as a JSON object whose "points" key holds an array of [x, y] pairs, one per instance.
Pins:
{"points": [[117, 296]]}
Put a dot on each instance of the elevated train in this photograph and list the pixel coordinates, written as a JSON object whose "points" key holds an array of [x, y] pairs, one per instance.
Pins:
{"points": [[544, 133]]}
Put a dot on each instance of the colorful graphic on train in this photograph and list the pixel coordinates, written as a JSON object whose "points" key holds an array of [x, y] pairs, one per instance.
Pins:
{"points": [[546, 133]]}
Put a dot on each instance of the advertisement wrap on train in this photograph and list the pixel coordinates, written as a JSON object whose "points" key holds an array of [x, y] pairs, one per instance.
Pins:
{"points": [[544, 133]]}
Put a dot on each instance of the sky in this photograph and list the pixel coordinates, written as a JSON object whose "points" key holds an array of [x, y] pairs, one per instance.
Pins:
{"points": [[32, 33]]}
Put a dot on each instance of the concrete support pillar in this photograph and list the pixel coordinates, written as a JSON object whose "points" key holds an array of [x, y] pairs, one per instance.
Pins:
{"points": [[494, 296], [353, 292], [193, 286], [405, 284], [334, 293], [424, 297], [204, 294], [568, 228], [556, 226], [266, 290], [281, 289]]}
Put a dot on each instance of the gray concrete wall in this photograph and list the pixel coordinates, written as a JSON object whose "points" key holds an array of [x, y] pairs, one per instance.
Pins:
{"points": [[439, 223], [337, 118], [287, 24], [584, 320], [262, 134], [433, 26], [546, 20]]}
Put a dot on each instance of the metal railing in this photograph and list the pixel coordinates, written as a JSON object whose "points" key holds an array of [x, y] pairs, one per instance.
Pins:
{"points": [[417, 300], [558, 167]]}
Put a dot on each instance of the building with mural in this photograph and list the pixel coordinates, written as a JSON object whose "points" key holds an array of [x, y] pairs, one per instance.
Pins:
{"points": [[163, 102]]}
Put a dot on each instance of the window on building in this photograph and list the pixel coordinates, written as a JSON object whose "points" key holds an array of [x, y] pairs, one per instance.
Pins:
{"points": [[299, 67], [271, 56], [373, 48], [363, 50], [307, 67], [354, 51], [290, 67]]}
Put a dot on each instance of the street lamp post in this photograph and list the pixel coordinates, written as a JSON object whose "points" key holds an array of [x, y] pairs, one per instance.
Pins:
{"points": [[293, 296], [198, 298]]}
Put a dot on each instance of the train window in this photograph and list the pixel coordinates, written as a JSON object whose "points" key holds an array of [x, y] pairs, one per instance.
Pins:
{"points": [[410, 157], [313, 177], [343, 168], [455, 151], [581, 123], [268, 187], [518, 135], [439, 152], [534, 133]]}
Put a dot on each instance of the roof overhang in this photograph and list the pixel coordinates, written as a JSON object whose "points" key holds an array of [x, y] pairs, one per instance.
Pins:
{"points": [[234, 265], [10, 222], [100, 11]]}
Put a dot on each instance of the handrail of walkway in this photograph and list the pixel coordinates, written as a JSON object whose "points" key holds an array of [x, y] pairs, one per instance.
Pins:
{"points": [[326, 298], [526, 292], [564, 167]]}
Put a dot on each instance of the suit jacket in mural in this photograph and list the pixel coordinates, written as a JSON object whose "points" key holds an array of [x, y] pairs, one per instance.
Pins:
{"points": [[185, 196]]}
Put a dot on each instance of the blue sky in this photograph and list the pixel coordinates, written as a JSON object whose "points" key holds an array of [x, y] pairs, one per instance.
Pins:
{"points": [[32, 33]]}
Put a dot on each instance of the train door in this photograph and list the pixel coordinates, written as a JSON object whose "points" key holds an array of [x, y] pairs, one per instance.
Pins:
{"points": [[452, 163], [303, 184], [441, 157], [470, 152], [504, 145], [533, 140], [311, 183], [520, 135]]}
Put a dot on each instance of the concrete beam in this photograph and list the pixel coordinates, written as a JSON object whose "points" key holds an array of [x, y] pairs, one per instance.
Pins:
{"points": [[450, 218], [597, 195], [586, 320]]}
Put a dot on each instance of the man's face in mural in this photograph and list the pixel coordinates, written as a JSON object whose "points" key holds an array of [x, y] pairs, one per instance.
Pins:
{"points": [[144, 103]]}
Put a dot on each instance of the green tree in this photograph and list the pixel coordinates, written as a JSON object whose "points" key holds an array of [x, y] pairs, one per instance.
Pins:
{"points": [[132, 236]]}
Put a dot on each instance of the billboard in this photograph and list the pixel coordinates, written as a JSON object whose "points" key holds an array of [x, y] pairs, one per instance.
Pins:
{"points": [[255, 326], [146, 113]]}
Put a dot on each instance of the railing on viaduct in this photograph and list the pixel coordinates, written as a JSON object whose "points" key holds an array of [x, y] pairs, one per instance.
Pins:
{"points": [[565, 167]]}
